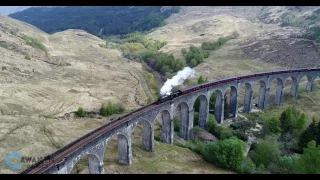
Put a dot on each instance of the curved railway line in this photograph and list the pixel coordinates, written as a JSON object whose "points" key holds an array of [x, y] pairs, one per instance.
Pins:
{"points": [[59, 156]]}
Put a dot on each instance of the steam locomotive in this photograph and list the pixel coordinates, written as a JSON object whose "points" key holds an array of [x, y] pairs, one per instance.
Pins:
{"points": [[164, 98], [214, 83]]}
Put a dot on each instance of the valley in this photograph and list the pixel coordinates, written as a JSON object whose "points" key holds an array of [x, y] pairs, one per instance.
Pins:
{"points": [[45, 91], [41, 89]]}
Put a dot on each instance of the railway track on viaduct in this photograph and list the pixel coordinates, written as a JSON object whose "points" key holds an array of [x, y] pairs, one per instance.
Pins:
{"points": [[96, 141]]}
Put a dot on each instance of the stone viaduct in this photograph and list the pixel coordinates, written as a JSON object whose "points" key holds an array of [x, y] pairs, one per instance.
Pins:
{"points": [[183, 106]]}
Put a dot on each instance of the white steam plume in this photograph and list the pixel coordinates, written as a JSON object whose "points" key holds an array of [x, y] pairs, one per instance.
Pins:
{"points": [[177, 80]]}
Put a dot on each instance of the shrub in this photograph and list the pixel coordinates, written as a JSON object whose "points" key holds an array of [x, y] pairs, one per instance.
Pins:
{"points": [[154, 86], [292, 119], [301, 122], [201, 80], [193, 63], [249, 166], [34, 43], [167, 63], [211, 124], [149, 76], [314, 16], [284, 166], [103, 110], [136, 46], [196, 146], [261, 169], [228, 153], [214, 45], [288, 19], [266, 151], [207, 46], [223, 132], [118, 109], [111, 109], [196, 130], [200, 146], [309, 161], [195, 56], [240, 135], [27, 57], [4, 68], [246, 125], [289, 142], [315, 30], [184, 52], [311, 133], [206, 54], [4, 44], [81, 112], [273, 125]]}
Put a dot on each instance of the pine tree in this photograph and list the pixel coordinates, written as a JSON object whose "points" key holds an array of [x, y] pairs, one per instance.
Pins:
{"points": [[273, 125], [309, 161], [301, 122], [288, 120], [311, 133]]}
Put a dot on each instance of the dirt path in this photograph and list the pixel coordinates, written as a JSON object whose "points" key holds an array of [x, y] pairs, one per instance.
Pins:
{"points": [[143, 80]]}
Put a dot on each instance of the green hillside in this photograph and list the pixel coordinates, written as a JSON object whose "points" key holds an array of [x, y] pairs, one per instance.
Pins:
{"points": [[97, 20]]}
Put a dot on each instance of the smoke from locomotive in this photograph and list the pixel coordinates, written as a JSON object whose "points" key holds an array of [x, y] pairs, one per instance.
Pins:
{"points": [[176, 80]]}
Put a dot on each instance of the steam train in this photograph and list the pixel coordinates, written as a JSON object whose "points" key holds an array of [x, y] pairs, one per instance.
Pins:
{"points": [[188, 90], [165, 98]]}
